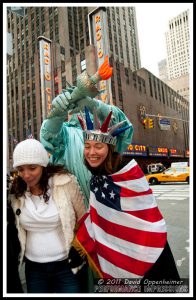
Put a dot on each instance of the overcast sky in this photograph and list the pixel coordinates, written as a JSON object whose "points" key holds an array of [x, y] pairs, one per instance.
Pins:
{"points": [[153, 22]]}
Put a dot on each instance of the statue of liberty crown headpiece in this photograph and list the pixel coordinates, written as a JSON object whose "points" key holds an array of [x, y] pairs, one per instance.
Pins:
{"points": [[93, 131]]}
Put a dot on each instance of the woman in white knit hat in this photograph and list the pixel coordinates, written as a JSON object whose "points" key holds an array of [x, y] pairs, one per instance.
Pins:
{"points": [[48, 204]]}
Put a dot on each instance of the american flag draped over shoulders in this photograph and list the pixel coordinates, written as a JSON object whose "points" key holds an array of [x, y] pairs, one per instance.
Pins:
{"points": [[123, 233]]}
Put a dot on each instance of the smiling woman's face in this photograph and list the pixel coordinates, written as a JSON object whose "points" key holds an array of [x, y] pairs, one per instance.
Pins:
{"points": [[95, 153]]}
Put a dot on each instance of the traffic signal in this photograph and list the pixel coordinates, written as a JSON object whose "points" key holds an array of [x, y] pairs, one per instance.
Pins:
{"points": [[145, 123], [150, 123]]}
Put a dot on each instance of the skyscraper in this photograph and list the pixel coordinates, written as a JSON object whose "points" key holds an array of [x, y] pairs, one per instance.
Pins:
{"points": [[178, 44], [178, 57]]}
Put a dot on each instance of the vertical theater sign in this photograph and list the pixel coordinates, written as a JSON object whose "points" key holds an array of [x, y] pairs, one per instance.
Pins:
{"points": [[45, 74], [99, 38]]}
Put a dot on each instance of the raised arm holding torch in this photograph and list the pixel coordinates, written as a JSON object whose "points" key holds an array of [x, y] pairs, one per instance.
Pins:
{"points": [[86, 85]]}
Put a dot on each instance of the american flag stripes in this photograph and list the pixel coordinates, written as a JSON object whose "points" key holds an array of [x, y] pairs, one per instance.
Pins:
{"points": [[123, 233]]}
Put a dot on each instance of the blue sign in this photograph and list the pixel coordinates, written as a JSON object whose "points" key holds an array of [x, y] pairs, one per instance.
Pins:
{"points": [[164, 122]]}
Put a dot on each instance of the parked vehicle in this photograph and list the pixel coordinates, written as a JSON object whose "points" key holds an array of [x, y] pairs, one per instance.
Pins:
{"points": [[172, 174], [155, 168], [179, 164]]}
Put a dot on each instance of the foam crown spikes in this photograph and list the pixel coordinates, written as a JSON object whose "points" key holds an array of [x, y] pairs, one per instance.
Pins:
{"points": [[93, 131]]}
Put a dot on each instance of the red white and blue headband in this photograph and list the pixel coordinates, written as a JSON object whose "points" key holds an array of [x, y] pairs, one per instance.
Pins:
{"points": [[94, 131]]}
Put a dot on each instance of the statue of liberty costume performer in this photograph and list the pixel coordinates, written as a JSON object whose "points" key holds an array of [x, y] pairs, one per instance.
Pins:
{"points": [[123, 234], [64, 140]]}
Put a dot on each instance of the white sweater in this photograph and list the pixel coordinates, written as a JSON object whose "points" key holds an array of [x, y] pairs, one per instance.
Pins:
{"points": [[45, 237], [69, 202]]}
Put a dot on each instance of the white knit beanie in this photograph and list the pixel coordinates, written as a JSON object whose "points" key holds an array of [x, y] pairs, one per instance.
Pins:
{"points": [[29, 152]]}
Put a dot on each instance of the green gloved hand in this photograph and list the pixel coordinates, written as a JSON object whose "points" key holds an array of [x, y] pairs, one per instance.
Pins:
{"points": [[60, 104], [59, 111], [80, 104]]}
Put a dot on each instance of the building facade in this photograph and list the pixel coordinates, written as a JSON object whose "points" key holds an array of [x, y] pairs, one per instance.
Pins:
{"points": [[178, 53], [178, 44], [67, 28], [168, 140], [139, 93], [181, 85], [163, 73]]}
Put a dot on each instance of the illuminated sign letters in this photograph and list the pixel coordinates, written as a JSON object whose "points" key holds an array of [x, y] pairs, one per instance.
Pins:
{"points": [[98, 26], [99, 37], [46, 75], [157, 151], [134, 149], [175, 153]]}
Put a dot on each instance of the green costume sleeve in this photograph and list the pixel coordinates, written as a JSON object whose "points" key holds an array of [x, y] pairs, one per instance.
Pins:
{"points": [[66, 148], [54, 141], [64, 140]]}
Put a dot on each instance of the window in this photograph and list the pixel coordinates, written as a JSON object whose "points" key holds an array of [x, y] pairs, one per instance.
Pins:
{"points": [[62, 50], [62, 66], [63, 82], [150, 84], [83, 65]]}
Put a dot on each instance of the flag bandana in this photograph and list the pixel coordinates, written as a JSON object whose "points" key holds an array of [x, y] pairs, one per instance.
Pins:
{"points": [[123, 233]]}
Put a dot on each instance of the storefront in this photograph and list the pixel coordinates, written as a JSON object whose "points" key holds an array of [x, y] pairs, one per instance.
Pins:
{"points": [[139, 153], [145, 155]]}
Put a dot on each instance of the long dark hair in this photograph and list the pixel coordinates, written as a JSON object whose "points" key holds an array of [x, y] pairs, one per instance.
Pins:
{"points": [[109, 165], [19, 186]]}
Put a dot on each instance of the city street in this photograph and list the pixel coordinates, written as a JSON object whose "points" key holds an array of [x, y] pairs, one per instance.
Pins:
{"points": [[173, 202]]}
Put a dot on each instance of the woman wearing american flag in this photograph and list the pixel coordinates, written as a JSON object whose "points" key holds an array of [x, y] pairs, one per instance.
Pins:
{"points": [[123, 234]]}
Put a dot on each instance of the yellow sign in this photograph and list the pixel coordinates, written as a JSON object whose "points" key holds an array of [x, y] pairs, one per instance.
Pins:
{"points": [[45, 74], [136, 148], [98, 28]]}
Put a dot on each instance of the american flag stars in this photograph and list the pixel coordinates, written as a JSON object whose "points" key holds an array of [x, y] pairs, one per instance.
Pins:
{"points": [[96, 189], [112, 195], [105, 185], [106, 190]]}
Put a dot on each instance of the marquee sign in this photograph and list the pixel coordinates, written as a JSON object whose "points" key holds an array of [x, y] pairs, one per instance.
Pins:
{"points": [[175, 153], [136, 150], [157, 151], [45, 74], [99, 37]]}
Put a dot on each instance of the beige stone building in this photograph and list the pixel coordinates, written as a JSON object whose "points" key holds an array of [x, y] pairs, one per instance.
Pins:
{"points": [[177, 65], [180, 85]]}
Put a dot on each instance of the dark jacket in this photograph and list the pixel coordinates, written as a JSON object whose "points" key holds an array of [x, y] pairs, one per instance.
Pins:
{"points": [[164, 269], [13, 250]]}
